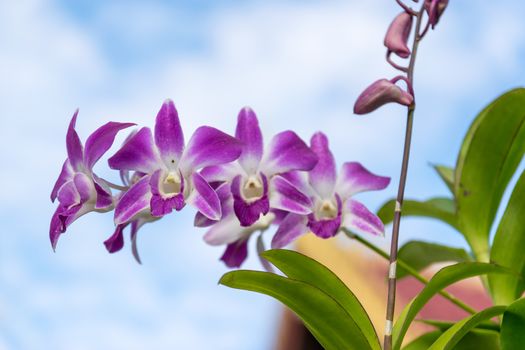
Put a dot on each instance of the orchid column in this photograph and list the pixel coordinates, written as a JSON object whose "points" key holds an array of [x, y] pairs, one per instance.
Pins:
{"points": [[384, 91]]}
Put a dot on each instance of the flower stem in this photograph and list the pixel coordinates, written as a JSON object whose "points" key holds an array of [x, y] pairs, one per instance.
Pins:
{"points": [[401, 192], [411, 271]]}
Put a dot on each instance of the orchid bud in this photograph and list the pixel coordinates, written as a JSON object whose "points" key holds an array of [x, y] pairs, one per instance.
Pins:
{"points": [[435, 9], [397, 35], [379, 93]]}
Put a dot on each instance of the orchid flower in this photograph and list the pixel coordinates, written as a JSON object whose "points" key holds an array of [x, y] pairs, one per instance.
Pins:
{"points": [[256, 184], [332, 204], [77, 188], [169, 171], [381, 92]]}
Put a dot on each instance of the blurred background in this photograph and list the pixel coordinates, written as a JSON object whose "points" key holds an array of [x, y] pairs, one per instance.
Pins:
{"points": [[299, 64]]}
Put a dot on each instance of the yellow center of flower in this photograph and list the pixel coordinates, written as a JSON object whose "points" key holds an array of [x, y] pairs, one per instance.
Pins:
{"points": [[253, 188], [172, 183], [327, 210]]}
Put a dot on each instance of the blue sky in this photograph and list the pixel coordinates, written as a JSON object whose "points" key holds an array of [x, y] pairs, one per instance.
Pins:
{"points": [[299, 64]]}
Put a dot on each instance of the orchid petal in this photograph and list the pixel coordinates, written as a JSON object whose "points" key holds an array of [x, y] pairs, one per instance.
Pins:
{"points": [[66, 174], [204, 198], [101, 140], [116, 241], [138, 154], [249, 212], [160, 203], [325, 228], [221, 173], [287, 152], [200, 220], [134, 202], [286, 196], [84, 186], [354, 178], [291, 227], [104, 197], [323, 176], [397, 35], [359, 219], [209, 146], [226, 231], [68, 194], [249, 133], [235, 254], [169, 137], [56, 228], [380, 93], [74, 147]]}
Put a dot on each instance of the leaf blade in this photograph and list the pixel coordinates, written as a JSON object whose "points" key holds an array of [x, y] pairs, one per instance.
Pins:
{"points": [[512, 326]]}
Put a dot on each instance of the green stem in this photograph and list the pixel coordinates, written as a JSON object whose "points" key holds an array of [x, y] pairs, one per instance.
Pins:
{"points": [[413, 272]]}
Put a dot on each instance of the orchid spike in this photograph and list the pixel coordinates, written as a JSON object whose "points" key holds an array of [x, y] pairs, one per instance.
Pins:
{"points": [[397, 35], [77, 188], [379, 93], [169, 170], [332, 204], [435, 9], [256, 184]]}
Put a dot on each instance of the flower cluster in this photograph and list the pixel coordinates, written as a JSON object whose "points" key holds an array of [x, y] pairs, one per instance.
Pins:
{"points": [[237, 185], [384, 91]]}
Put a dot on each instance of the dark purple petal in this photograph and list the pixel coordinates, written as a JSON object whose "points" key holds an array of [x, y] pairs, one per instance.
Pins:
{"points": [[65, 175], [397, 35], [435, 9], [380, 93], [68, 195], [291, 227], [285, 196], [116, 241], [209, 146], [249, 212], [326, 227], [84, 186], [287, 152], [202, 221], [235, 254], [101, 140], [359, 219], [104, 197], [168, 134], [204, 198], [354, 178], [56, 228], [323, 176], [162, 203], [74, 147], [138, 154], [134, 202], [249, 133]]}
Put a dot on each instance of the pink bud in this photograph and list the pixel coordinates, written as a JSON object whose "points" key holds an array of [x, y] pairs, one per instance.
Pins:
{"points": [[379, 93], [397, 35], [435, 9]]}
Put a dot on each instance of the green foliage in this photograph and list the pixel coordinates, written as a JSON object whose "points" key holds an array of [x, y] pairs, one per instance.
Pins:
{"points": [[509, 247], [327, 307], [447, 175], [439, 208], [454, 334], [420, 255], [443, 278], [474, 340], [513, 326]]}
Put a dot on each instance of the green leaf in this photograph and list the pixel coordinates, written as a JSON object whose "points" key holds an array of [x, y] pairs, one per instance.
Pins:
{"points": [[322, 315], [474, 340], [438, 208], [489, 156], [454, 334], [443, 278], [447, 175], [508, 247], [443, 325], [420, 255], [513, 326], [302, 268]]}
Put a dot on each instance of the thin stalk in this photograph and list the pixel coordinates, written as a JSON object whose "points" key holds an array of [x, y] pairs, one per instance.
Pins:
{"points": [[411, 271], [401, 193]]}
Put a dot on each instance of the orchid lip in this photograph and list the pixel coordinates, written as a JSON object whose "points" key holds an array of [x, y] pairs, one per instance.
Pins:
{"points": [[252, 189], [172, 184], [327, 210]]}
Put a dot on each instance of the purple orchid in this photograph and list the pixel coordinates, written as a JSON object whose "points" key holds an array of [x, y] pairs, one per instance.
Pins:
{"points": [[381, 92], [256, 184], [166, 176], [333, 206], [77, 188], [397, 35]]}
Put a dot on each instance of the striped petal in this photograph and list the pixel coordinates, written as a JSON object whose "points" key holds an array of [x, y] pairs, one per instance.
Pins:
{"points": [[249, 133], [359, 219], [169, 137], [355, 178], [137, 154], [323, 176]]}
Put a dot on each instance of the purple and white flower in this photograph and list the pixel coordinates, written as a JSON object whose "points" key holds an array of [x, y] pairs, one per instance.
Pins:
{"points": [[169, 170], [332, 204], [256, 184], [77, 188]]}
